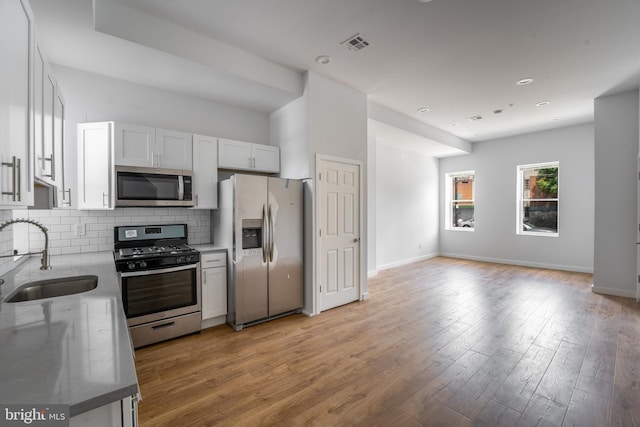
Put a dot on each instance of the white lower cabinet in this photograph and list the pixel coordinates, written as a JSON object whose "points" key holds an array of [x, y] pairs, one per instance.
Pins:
{"points": [[214, 286], [121, 413]]}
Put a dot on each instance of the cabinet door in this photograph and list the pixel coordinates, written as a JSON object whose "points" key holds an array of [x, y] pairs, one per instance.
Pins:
{"points": [[205, 172], [266, 158], [234, 154], [95, 166], [38, 110], [49, 95], [134, 145], [214, 292], [16, 103], [174, 150], [58, 154]]}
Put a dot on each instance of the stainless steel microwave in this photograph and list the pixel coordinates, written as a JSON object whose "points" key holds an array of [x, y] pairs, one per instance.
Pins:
{"points": [[140, 186]]}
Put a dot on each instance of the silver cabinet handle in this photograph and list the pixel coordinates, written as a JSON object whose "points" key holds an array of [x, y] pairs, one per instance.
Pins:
{"points": [[18, 171], [103, 203], [15, 178], [65, 200], [52, 175]]}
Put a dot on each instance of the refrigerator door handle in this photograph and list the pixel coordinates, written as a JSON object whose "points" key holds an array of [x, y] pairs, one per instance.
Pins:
{"points": [[265, 227], [271, 236]]}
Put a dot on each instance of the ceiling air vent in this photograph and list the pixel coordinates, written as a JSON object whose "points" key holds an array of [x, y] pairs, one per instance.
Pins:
{"points": [[356, 43]]}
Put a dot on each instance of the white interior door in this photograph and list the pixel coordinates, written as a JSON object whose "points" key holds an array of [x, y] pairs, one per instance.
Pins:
{"points": [[339, 234]]}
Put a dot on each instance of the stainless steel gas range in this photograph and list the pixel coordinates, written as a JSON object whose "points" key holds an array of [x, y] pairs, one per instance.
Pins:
{"points": [[160, 281]]}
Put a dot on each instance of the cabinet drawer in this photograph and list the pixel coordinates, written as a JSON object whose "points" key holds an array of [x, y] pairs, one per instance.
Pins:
{"points": [[210, 260]]}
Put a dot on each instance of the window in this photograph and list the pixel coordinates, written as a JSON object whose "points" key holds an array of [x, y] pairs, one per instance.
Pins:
{"points": [[460, 193], [538, 199]]}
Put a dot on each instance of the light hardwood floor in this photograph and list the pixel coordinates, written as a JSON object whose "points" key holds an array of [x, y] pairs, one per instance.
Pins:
{"points": [[442, 342]]}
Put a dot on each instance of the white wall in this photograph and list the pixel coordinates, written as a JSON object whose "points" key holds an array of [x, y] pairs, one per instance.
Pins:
{"points": [[371, 206], [92, 97], [337, 117], [495, 163], [616, 181], [406, 196], [289, 131]]}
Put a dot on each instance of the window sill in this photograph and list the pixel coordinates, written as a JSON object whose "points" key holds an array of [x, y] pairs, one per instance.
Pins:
{"points": [[464, 229], [525, 233]]}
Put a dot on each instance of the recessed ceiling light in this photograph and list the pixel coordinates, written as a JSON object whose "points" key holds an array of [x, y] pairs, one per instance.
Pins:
{"points": [[423, 110], [543, 103], [323, 59], [557, 119], [454, 124], [424, 1], [523, 82]]}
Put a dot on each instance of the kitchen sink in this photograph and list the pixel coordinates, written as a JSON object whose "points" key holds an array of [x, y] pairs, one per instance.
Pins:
{"points": [[53, 288]]}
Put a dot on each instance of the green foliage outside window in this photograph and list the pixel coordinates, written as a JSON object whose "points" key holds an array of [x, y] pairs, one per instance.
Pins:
{"points": [[547, 182]]}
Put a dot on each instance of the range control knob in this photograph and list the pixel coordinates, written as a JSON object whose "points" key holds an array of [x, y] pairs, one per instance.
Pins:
{"points": [[143, 264], [131, 265]]}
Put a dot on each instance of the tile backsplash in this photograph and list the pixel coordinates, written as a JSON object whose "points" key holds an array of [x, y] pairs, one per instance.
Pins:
{"points": [[73, 231]]}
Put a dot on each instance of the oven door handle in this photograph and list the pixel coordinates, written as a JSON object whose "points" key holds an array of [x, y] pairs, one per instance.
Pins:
{"points": [[158, 271]]}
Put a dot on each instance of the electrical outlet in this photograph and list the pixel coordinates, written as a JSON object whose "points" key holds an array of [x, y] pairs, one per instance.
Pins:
{"points": [[80, 229]]}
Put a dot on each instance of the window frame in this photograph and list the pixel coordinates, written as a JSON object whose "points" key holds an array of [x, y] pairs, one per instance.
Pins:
{"points": [[520, 200], [449, 200]]}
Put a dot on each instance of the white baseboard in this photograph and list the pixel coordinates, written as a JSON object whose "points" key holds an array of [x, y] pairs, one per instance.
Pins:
{"points": [[372, 273], [614, 292], [405, 262], [521, 263], [214, 321], [364, 296]]}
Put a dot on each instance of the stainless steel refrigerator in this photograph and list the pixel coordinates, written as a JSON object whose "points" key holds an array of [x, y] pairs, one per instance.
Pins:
{"points": [[260, 221]]}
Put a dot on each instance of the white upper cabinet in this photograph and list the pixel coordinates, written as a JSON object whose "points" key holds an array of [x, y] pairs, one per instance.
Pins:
{"points": [[239, 155], [135, 145], [96, 188], [17, 49], [48, 128], [266, 158], [205, 172], [234, 154], [59, 115], [154, 148], [174, 150]]}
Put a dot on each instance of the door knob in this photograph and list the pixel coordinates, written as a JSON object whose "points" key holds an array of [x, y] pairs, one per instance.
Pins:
{"points": [[356, 240]]}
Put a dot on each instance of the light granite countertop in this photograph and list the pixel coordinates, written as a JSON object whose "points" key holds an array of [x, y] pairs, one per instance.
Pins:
{"points": [[208, 247], [73, 350]]}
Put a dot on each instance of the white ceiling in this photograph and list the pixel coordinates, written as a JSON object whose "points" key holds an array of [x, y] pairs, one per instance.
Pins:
{"points": [[458, 58]]}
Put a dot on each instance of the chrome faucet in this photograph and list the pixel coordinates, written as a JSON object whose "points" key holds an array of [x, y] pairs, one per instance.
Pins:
{"points": [[45, 252]]}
